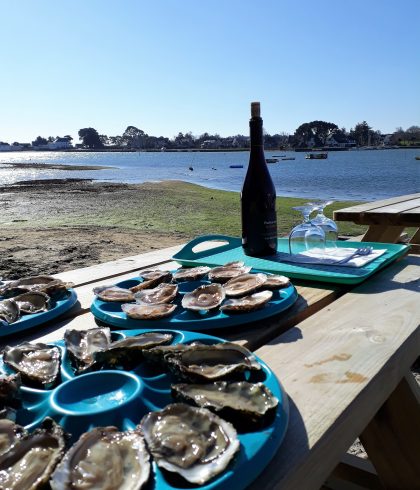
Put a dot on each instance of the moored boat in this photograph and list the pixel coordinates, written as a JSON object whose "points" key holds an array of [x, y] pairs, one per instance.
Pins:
{"points": [[271, 160], [316, 156]]}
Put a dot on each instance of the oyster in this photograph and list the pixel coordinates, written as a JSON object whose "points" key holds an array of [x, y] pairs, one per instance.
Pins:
{"points": [[244, 284], [104, 458], [204, 363], [192, 442], [204, 298], [55, 288], [228, 271], [32, 302], [247, 406], [9, 391], [158, 354], [10, 433], [148, 312], [9, 311], [38, 364], [191, 273], [30, 461], [247, 303], [128, 352], [163, 293], [82, 345], [113, 293], [275, 281], [151, 279], [25, 284]]}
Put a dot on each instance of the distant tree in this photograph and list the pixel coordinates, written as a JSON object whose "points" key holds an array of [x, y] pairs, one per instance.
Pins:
{"points": [[39, 141], [51, 139], [361, 133], [68, 137], [319, 131], [133, 137], [90, 138], [104, 139]]}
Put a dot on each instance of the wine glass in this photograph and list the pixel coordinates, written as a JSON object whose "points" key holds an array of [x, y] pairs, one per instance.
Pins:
{"points": [[307, 235], [328, 225]]}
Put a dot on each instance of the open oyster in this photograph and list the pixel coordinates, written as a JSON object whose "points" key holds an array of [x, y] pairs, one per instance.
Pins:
{"points": [[114, 293], [10, 433], [9, 311], [148, 312], [151, 278], [158, 354], [30, 461], [225, 272], [82, 345], [204, 363], [204, 298], [10, 391], [104, 459], [38, 364], [191, 273], [247, 303], [275, 281], [244, 284], [163, 293], [26, 284], [192, 442], [247, 405], [32, 302]]}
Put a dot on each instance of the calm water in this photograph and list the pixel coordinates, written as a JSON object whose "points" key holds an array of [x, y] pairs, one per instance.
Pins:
{"points": [[353, 175]]}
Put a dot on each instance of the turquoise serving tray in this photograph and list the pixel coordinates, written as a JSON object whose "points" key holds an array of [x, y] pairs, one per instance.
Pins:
{"points": [[232, 251], [35, 320], [122, 398], [112, 314]]}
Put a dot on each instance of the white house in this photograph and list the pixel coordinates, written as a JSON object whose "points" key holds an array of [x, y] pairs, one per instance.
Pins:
{"points": [[60, 144]]}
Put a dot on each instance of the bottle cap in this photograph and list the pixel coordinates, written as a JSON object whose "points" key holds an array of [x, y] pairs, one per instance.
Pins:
{"points": [[255, 109]]}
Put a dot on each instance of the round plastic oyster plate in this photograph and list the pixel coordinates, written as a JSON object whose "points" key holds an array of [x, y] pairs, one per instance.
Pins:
{"points": [[123, 397]]}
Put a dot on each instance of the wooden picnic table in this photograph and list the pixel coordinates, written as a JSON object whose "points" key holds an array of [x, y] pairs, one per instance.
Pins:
{"points": [[386, 219], [343, 356]]}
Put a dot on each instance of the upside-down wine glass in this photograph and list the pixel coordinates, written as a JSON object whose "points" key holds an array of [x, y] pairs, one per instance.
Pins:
{"points": [[328, 225], [306, 236]]}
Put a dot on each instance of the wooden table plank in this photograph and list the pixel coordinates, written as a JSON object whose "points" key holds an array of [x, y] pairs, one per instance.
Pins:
{"points": [[338, 367]]}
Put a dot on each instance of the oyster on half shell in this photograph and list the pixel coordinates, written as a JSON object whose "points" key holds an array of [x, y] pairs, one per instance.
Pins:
{"points": [[275, 281], [225, 272], [204, 298], [9, 311], [247, 303], [163, 293], [104, 459], [114, 294], [151, 279], [191, 273], [244, 284], [10, 391], [10, 433], [193, 442], [148, 312], [33, 302]]}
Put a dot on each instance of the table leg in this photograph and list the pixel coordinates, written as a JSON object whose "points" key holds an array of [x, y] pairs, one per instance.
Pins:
{"points": [[392, 438], [383, 233]]}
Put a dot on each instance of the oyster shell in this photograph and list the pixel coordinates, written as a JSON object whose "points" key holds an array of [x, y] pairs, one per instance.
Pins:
{"points": [[9, 311], [225, 272], [106, 459], [191, 273], [114, 293], [32, 302], [204, 298], [82, 345], [247, 406], [163, 293], [244, 284], [10, 391], [275, 281], [25, 284], [30, 461], [152, 278], [55, 288], [247, 303], [38, 364], [204, 363], [148, 312], [10, 433], [192, 442], [158, 354]]}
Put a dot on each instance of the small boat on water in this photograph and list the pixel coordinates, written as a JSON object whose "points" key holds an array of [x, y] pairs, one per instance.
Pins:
{"points": [[316, 156], [417, 158], [236, 166], [288, 158], [271, 160], [278, 156]]}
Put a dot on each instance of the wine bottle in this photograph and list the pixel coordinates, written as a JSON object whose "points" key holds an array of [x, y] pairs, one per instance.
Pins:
{"points": [[258, 196]]}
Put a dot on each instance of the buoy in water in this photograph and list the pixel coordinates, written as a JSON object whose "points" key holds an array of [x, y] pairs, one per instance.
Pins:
{"points": [[190, 168]]}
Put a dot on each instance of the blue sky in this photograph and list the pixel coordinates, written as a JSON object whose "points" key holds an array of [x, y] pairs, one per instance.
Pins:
{"points": [[188, 65]]}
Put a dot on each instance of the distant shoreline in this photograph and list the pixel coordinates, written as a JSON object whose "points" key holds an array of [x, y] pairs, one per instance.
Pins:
{"points": [[57, 166]]}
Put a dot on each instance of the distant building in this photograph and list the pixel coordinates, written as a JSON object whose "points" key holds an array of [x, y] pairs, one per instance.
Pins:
{"points": [[60, 144]]}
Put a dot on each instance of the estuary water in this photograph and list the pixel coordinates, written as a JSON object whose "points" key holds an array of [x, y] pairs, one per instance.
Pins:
{"points": [[348, 175]]}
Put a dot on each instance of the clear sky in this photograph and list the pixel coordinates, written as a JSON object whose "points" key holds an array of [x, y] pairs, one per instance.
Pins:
{"points": [[166, 66]]}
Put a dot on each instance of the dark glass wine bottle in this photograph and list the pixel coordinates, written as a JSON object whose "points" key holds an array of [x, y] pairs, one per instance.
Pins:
{"points": [[258, 196]]}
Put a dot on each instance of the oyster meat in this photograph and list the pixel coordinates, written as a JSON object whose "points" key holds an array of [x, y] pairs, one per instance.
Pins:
{"points": [[82, 345], [225, 272], [10, 391], [32, 302], [114, 294], [38, 364], [193, 442], [148, 312], [244, 284], [104, 459], [26, 284], [204, 363], [247, 406], [204, 298], [275, 281], [9, 311], [247, 303], [158, 354], [190, 273], [10, 433], [30, 461], [152, 278], [163, 293]]}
